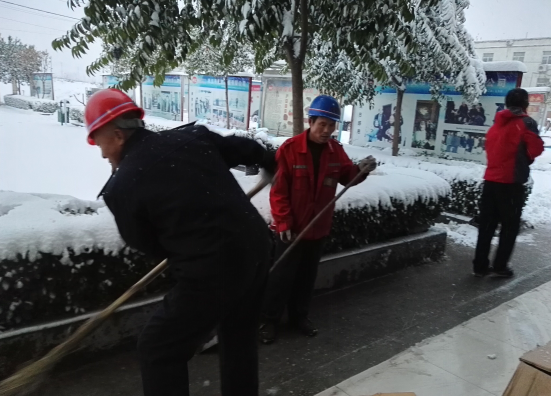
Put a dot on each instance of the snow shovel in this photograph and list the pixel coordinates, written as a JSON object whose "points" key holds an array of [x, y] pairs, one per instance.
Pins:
{"points": [[27, 380], [214, 338]]}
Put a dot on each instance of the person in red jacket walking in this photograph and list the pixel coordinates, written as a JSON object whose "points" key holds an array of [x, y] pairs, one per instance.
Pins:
{"points": [[512, 144], [310, 166]]}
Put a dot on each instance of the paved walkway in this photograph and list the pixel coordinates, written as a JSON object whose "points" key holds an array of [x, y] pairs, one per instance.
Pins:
{"points": [[477, 358], [363, 326]]}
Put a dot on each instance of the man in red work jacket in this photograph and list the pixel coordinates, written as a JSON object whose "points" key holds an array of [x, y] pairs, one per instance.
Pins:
{"points": [[512, 144], [310, 166]]}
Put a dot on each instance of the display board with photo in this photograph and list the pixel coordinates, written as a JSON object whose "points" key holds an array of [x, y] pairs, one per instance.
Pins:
{"points": [[460, 113], [425, 125], [463, 143], [450, 126], [375, 125], [43, 85], [164, 101], [207, 95], [277, 105]]}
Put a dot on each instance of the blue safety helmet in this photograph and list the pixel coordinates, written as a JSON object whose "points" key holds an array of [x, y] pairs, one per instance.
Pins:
{"points": [[325, 106]]}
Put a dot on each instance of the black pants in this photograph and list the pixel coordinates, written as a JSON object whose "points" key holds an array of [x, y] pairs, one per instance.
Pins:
{"points": [[500, 204], [292, 282], [190, 311]]}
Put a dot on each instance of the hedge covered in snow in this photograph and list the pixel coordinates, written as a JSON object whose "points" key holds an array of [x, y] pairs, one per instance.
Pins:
{"points": [[30, 103], [76, 114], [60, 256], [465, 178]]}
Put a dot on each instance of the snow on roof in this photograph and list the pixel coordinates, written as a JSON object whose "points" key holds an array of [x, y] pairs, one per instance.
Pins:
{"points": [[505, 66], [176, 73]]}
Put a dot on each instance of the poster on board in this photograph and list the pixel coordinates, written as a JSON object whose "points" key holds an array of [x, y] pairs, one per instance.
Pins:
{"points": [[185, 99], [89, 92], [256, 91], [450, 126], [43, 85], [277, 105], [207, 100], [537, 107], [164, 101]]}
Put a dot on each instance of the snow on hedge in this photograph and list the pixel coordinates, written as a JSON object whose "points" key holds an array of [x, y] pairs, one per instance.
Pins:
{"points": [[31, 103], [47, 223], [449, 170], [386, 183]]}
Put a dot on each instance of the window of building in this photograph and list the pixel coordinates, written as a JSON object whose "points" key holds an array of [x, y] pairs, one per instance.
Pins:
{"points": [[546, 60], [488, 57], [518, 56], [543, 82]]}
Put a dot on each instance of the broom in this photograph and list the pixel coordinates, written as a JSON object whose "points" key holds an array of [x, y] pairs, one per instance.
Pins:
{"points": [[26, 380]]}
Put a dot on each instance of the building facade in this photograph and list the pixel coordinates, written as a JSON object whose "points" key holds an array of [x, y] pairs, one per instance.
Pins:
{"points": [[534, 53]]}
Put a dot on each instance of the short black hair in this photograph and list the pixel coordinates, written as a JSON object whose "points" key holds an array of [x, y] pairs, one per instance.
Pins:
{"points": [[517, 97], [313, 119]]}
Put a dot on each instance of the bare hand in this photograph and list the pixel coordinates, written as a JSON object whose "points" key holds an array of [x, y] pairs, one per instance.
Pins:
{"points": [[286, 236]]}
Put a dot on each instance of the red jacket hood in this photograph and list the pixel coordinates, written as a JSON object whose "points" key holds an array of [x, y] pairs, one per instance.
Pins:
{"points": [[504, 116]]}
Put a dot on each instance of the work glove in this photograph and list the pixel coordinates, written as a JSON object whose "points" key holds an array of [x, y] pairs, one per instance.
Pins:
{"points": [[368, 164], [286, 236]]}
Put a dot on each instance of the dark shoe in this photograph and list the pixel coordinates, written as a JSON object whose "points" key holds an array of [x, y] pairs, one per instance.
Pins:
{"points": [[306, 327], [267, 333], [502, 273]]}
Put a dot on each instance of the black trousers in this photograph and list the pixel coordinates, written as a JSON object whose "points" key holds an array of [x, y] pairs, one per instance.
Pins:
{"points": [[500, 204], [189, 313], [292, 282]]}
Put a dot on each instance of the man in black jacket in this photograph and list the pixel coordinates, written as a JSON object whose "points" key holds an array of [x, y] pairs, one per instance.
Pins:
{"points": [[173, 196]]}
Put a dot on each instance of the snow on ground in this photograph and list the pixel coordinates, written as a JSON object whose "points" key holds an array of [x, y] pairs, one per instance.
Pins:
{"points": [[38, 155], [67, 89], [538, 208], [465, 234], [63, 90]]}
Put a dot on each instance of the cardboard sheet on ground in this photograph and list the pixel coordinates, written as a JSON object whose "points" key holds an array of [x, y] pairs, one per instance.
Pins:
{"points": [[533, 374]]}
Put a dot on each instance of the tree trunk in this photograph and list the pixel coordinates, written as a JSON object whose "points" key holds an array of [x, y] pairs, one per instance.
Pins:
{"points": [[397, 123], [298, 91], [227, 103], [14, 86]]}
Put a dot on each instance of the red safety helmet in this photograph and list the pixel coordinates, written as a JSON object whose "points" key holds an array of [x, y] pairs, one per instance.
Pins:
{"points": [[106, 105]]}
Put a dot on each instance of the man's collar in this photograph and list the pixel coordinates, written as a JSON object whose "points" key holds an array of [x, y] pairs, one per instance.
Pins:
{"points": [[133, 140]]}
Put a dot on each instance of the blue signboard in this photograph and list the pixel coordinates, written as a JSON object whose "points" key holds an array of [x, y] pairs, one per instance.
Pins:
{"points": [[497, 84]]}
